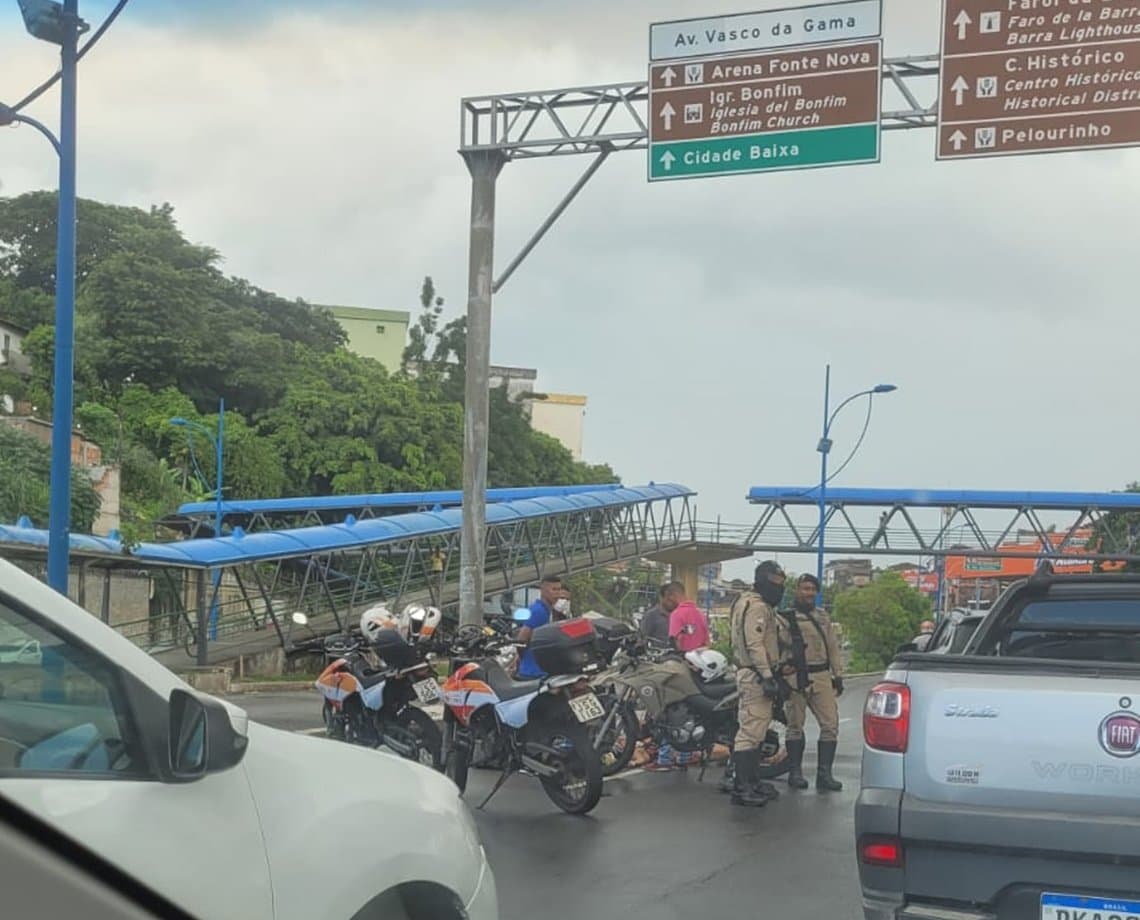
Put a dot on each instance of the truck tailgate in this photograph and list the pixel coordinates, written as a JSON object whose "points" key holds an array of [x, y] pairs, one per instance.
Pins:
{"points": [[1019, 740]]}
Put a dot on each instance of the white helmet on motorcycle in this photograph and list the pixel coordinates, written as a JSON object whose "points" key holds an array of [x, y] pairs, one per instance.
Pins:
{"points": [[711, 664], [377, 618], [420, 622]]}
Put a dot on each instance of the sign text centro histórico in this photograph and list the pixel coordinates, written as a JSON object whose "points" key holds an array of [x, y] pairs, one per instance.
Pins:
{"points": [[806, 25], [1037, 76]]}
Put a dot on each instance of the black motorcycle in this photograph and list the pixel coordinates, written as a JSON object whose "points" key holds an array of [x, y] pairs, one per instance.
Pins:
{"points": [[682, 710]]}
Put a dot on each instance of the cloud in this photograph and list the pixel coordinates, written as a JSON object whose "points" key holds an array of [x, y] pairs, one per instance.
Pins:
{"points": [[317, 151]]}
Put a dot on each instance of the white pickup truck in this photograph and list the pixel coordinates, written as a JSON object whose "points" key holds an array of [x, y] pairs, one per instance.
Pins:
{"points": [[1004, 783]]}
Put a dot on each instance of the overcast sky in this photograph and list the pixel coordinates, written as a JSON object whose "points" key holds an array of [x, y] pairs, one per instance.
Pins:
{"points": [[314, 144]]}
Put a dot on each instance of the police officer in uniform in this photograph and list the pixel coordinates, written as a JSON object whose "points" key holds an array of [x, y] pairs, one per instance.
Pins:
{"points": [[753, 625], [811, 666]]}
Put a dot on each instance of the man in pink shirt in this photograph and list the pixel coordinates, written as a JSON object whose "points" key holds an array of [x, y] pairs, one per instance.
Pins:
{"points": [[687, 626]]}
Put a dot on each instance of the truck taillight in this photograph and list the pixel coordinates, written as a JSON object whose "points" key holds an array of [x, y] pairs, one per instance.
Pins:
{"points": [[881, 851], [886, 717]]}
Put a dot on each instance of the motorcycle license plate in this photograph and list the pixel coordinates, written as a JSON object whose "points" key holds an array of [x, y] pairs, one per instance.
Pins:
{"points": [[586, 707], [427, 691], [1070, 907]]}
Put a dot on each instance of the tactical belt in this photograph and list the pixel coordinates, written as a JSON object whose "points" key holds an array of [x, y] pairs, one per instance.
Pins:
{"points": [[789, 667]]}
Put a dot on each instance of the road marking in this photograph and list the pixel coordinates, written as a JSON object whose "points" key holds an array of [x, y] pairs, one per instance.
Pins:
{"points": [[841, 721]]}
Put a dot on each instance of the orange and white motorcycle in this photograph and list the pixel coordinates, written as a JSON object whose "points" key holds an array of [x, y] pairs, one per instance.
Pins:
{"points": [[373, 683], [539, 727]]}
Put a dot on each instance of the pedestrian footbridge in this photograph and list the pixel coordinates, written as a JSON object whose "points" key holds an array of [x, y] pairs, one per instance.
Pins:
{"points": [[229, 596]]}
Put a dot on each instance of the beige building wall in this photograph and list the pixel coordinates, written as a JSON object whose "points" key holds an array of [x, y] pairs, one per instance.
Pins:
{"points": [[562, 416]]}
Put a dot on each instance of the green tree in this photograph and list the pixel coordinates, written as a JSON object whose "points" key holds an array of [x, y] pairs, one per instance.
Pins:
{"points": [[25, 476], [880, 617]]}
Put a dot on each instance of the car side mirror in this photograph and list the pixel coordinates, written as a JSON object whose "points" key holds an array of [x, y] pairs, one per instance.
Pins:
{"points": [[202, 737], [906, 647]]}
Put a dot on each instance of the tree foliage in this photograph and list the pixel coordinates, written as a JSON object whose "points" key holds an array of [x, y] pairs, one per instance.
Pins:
{"points": [[162, 332], [1119, 532], [880, 617], [25, 467]]}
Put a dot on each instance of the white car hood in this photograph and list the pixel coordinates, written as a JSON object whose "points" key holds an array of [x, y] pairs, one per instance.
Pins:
{"points": [[373, 814]]}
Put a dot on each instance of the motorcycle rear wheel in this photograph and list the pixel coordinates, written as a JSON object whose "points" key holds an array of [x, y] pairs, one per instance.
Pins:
{"points": [[581, 768], [429, 737]]}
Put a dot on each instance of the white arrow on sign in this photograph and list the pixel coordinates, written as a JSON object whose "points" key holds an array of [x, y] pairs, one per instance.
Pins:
{"points": [[667, 159], [958, 139], [667, 112], [668, 75], [961, 21], [959, 87]]}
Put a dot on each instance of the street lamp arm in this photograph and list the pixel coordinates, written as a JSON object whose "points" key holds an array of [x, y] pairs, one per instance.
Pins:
{"points": [[847, 401], [10, 116], [194, 426]]}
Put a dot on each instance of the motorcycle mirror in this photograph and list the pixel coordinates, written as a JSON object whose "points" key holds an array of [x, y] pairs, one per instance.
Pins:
{"points": [[521, 615], [300, 619]]}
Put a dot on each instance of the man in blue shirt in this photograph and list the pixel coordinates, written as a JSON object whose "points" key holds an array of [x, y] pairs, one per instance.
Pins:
{"points": [[541, 613]]}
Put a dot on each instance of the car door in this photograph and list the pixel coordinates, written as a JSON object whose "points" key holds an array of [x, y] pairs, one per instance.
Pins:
{"points": [[75, 750]]}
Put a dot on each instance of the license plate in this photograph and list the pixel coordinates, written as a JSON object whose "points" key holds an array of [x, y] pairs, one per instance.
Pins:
{"points": [[1076, 907], [427, 691], [586, 707]]}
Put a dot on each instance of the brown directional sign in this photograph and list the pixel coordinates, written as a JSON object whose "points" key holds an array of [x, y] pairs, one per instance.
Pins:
{"points": [[1035, 76], [753, 94]]}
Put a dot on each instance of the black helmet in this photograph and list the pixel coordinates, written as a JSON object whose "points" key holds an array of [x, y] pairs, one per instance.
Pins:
{"points": [[765, 583]]}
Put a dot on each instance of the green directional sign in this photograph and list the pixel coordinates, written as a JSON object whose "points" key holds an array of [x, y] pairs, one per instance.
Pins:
{"points": [[765, 153]]}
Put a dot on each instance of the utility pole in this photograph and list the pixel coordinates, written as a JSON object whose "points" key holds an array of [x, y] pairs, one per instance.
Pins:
{"points": [[484, 166]]}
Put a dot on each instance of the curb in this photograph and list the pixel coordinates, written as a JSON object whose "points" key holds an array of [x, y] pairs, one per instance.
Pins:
{"points": [[271, 686]]}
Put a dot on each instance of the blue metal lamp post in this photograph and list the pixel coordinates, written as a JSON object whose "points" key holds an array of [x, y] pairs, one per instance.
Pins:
{"points": [[60, 24], [218, 441], [824, 449]]}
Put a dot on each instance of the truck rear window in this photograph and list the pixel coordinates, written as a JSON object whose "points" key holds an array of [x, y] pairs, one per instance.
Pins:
{"points": [[1088, 629]]}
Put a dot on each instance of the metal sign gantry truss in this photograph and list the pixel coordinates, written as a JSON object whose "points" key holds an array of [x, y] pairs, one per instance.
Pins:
{"points": [[594, 120], [255, 599], [958, 531], [614, 116]]}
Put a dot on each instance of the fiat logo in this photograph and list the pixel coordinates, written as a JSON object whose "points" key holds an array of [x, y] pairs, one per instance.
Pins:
{"points": [[1120, 734]]}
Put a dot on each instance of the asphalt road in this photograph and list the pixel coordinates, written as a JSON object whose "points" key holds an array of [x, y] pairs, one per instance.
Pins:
{"points": [[660, 846]]}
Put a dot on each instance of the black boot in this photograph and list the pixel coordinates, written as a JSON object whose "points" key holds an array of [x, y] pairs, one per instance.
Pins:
{"points": [[824, 781], [728, 784], [744, 780], [795, 748]]}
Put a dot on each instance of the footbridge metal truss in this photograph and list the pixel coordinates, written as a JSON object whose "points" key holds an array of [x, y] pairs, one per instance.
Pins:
{"points": [[900, 523], [197, 519], [332, 573]]}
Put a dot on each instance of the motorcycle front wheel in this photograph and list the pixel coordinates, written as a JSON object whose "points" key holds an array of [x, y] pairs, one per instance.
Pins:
{"points": [[617, 746], [334, 726], [458, 753], [578, 786]]}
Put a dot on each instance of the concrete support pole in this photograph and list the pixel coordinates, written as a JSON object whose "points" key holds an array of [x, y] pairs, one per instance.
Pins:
{"points": [[688, 574], [484, 167]]}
